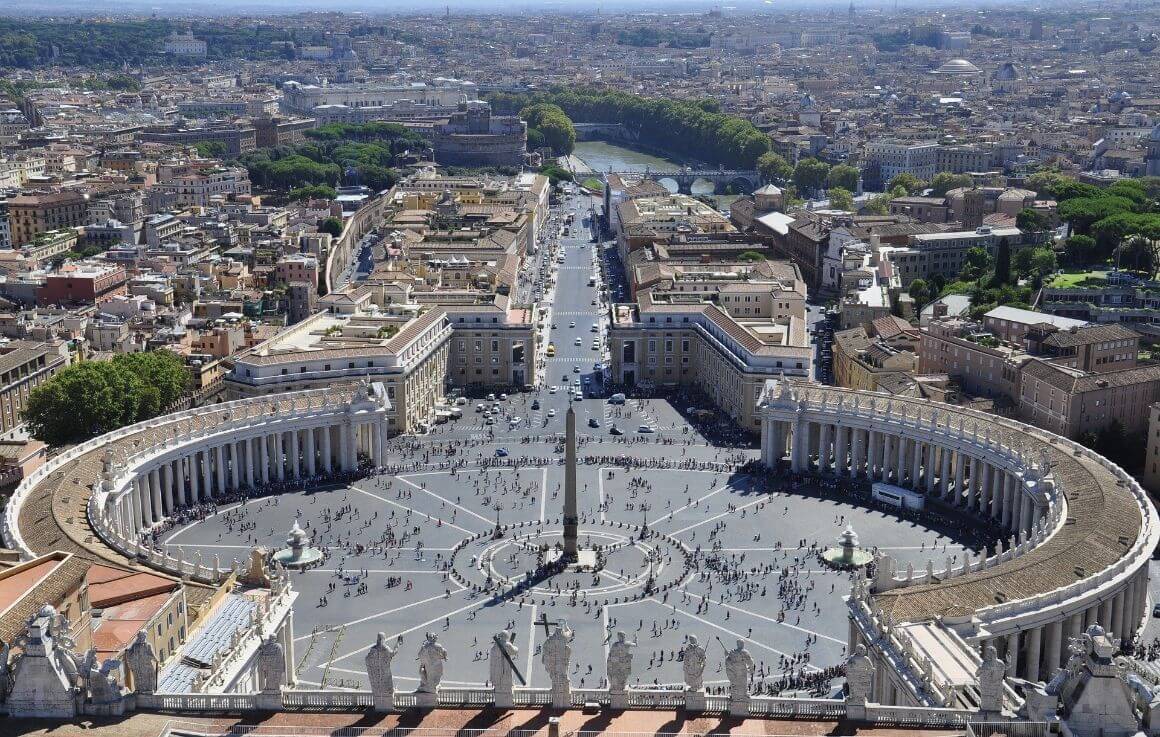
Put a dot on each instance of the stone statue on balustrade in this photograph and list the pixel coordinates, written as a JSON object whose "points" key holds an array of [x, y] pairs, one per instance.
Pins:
{"points": [[619, 662], [693, 664], [104, 689], [992, 671], [738, 669], [859, 682], [555, 656], [431, 657], [501, 667], [256, 574], [271, 665], [142, 662], [378, 663]]}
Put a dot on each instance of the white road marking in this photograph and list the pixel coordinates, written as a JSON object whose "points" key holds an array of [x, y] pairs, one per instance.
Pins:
{"points": [[412, 484], [409, 509]]}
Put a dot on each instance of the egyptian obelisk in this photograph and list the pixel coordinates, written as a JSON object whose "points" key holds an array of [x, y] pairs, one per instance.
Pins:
{"points": [[571, 521]]}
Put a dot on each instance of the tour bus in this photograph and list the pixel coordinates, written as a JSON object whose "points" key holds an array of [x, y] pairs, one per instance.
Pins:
{"points": [[896, 496]]}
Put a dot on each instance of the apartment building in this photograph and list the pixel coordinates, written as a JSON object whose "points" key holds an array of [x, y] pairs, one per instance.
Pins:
{"points": [[30, 215], [983, 365], [82, 282], [25, 365], [945, 253], [1072, 402], [898, 157]]}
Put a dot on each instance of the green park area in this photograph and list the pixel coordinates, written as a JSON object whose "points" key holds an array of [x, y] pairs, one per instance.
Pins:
{"points": [[1070, 280]]}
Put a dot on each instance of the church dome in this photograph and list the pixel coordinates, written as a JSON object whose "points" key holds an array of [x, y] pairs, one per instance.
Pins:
{"points": [[958, 67]]}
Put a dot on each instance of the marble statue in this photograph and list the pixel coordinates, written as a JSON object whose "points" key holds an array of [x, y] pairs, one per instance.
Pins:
{"points": [[693, 664], [103, 686], [619, 663], [992, 671], [503, 654], [738, 669], [556, 654], [271, 663], [378, 662], [859, 676], [256, 574], [142, 662], [431, 658]]}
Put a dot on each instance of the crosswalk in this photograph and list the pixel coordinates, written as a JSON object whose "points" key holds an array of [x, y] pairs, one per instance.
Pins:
{"points": [[633, 419]]}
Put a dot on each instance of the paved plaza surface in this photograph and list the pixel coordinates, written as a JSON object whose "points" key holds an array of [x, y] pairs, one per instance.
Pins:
{"points": [[722, 557]]}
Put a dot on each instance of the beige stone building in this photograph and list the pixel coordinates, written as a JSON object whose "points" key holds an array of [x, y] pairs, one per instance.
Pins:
{"points": [[1072, 402]]}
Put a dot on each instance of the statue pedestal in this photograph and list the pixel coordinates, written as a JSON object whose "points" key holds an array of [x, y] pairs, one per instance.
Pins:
{"points": [[619, 699], [504, 699], [739, 707], [426, 699], [562, 698], [269, 700], [856, 710], [384, 701], [694, 700]]}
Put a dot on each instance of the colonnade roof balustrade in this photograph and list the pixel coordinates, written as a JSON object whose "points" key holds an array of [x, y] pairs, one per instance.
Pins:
{"points": [[1109, 523]]}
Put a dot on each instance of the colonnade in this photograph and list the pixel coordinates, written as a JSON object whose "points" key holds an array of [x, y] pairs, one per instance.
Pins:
{"points": [[203, 471], [960, 478], [993, 470]]}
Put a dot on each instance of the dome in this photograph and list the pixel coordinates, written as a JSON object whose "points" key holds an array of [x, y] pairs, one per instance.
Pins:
{"points": [[958, 67], [1007, 72]]}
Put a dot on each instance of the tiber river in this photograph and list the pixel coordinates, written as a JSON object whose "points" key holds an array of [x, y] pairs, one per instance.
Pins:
{"points": [[602, 156]]}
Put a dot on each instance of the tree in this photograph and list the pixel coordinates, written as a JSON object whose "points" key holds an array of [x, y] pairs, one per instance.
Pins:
{"points": [[750, 256], [919, 291], [161, 371], [553, 124], [945, 181], [1080, 250], [843, 176], [879, 204], [81, 401], [313, 192], [1002, 262], [331, 225], [898, 191], [1042, 263], [211, 149], [840, 199], [773, 167], [810, 175], [909, 182], [1033, 221], [975, 263]]}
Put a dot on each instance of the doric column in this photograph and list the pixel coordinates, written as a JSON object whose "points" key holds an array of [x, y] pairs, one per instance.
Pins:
{"points": [[1034, 642], [141, 501], [1012, 656], [155, 492], [194, 474], [930, 467], [327, 458], [236, 465], [1117, 626], [873, 454], [985, 490], [973, 485], [1104, 617], [311, 468], [825, 437], [295, 455], [181, 489], [1053, 652], [1024, 512], [251, 460], [220, 461], [1075, 627], [899, 459], [915, 464], [998, 478], [377, 433], [207, 473], [960, 468], [280, 456], [944, 479], [263, 457], [1007, 513], [167, 482], [133, 516]]}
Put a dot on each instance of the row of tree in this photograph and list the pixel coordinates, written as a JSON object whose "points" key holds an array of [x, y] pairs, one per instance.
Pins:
{"points": [[371, 151], [549, 126], [692, 129], [94, 397]]}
